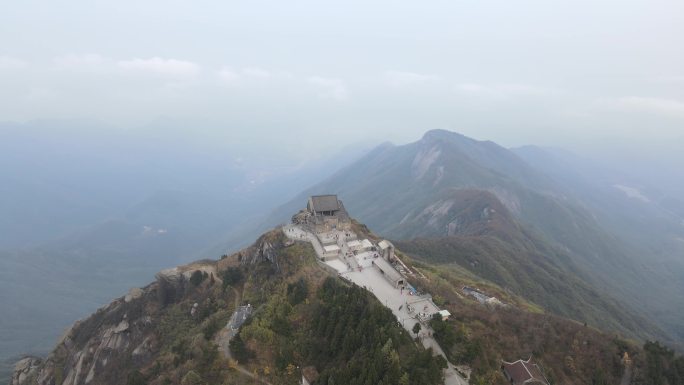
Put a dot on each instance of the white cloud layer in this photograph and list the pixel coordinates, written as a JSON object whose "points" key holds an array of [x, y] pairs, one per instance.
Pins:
{"points": [[403, 78], [11, 63], [501, 91], [228, 76], [258, 73], [660, 106], [478, 66], [79, 61], [157, 65], [330, 88]]}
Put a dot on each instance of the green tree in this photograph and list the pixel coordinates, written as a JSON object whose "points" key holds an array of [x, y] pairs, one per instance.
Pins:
{"points": [[192, 378], [240, 351], [196, 278], [416, 328], [297, 292], [136, 378], [231, 276], [444, 334]]}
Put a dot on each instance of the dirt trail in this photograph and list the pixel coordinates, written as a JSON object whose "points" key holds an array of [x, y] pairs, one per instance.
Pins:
{"points": [[626, 376], [223, 342]]}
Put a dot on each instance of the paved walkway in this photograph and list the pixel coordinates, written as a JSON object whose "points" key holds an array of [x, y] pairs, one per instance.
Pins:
{"points": [[396, 300]]}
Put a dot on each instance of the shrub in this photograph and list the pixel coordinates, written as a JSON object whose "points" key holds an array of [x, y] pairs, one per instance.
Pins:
{"points": [[239, 350], [231, 276], [197, 277], [297, 292], [136, 378], [191, 378]]}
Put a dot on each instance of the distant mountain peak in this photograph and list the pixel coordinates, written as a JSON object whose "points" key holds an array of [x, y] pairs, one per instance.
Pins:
{"points": [[462, 142], [442, 135]]}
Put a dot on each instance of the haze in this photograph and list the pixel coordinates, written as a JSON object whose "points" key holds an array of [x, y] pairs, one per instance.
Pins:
{"points": [[140, 135], [578, 74]]}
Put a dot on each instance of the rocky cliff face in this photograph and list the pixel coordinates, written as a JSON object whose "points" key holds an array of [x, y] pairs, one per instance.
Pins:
{"points": [[93, 349], [462, 212], [25, 370], [151, 335], [118, 336]]}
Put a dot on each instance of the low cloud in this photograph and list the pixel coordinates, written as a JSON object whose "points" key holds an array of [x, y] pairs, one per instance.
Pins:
{"points": [[330, 88], [161, 66], [670, 79], [403, 78], [660, 106], [501, 91], [228, 76], [36, 94], [11, 63], [79, 61], [258, 73]]}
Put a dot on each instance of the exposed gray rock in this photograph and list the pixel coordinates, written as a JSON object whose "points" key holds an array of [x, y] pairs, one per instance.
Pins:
{"points": [[134, 293], [423, 160], [169, 275], [264, 252], [25, 370], [121, 327], [96, 349]]}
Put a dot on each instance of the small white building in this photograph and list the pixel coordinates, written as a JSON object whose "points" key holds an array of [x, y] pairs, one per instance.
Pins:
{"points": [[360, 245], [389, 272], [386, 249], [445, 314], [331, 252]]}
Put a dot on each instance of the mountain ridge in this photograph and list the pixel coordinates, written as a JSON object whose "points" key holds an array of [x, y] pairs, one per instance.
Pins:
{"points": [[390, 187], [169, 332]]}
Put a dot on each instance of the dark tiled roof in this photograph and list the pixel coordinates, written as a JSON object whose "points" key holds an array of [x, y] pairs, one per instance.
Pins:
{"points": [[537, 375], [517, 372], [524, 372], [325, 203]]}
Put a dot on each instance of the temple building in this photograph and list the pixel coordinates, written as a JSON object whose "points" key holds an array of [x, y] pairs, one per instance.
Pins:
{"points": [[389, 272], [325, 213], [523, 372], [386, 250]]}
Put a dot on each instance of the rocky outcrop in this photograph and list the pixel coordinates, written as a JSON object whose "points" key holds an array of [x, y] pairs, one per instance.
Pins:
{"points": [[123, 338], [462, 212], [26, 370], [170, 285], [134, 293], [95, 350], [424, 160], [263, 251]]}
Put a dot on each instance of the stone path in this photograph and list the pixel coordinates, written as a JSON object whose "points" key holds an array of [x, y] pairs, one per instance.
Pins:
{"points": [[223, 341]]}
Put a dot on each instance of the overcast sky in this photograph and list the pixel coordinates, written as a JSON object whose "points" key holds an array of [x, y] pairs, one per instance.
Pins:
{"points": [[569, 73]]}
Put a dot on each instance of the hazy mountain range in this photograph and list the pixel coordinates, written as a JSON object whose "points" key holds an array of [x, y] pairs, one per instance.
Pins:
{"points": [[624, 244]]}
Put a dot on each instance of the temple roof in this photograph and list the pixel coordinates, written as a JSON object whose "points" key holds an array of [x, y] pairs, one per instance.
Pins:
{"points": [[524, 372], [325, 203]]}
